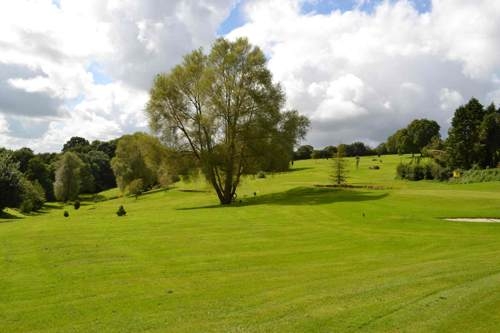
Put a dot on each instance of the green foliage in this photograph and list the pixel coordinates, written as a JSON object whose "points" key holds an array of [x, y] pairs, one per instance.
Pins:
{"points": [[39, 171], [87, 180], [140, 156], [479, 176], [23, 157], [463, 143], [136, 187], [76, 144], [107, 147], [33, 196], [422, 132], [489, 135], [339, 175], [413, 138], [419, 169], [68, 177], [66, 214], [357, 149], [224, 108], [11, 182], [303, 153], [121, 211], [76, 204], [100, 175]]}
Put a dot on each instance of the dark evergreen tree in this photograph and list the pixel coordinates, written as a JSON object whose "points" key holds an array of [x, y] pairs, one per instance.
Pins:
{"points": [[463, 144]]}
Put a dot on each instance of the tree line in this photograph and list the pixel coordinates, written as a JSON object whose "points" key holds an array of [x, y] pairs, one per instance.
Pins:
{"points": [[354, 149], [220, 114]]}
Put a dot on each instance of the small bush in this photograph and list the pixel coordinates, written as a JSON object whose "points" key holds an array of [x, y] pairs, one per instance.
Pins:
{"points": [[77, 204], [261, 174], [66, 214], [121, 211], [417, 170], [374, 167]]}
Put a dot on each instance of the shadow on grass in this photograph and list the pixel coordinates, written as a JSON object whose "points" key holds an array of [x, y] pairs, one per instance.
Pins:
{"points": [[296, 169], [47, 207], [7, 217], [302, 196]]}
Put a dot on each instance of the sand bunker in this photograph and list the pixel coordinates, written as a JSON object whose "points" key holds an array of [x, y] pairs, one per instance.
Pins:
{"points": [[481, 220]]}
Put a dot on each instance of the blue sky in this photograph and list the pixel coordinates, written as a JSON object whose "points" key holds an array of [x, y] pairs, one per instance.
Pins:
{"points": [[237, 18]]}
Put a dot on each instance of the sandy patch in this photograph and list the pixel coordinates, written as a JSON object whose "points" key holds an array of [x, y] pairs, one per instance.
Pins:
{"points": [[481, 220]]}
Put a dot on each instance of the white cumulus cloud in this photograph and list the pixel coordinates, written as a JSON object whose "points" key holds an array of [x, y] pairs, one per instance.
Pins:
{"points": [[361, 76]]}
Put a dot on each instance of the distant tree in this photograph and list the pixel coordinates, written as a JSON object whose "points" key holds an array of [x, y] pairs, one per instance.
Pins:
{"points": [[339, 175], [136, 187], [39, 171], [23, 156], [224, 108], [381, 149], [11, 182], [68, 179], [330, 151], [489, 135], [100, 167], [421, 132], [33, 196], [304, 152], [357, 149], [87, 180], [463, 143], [403, 141], [317, 154], [107, 147], [76, 144], [139, 156]]}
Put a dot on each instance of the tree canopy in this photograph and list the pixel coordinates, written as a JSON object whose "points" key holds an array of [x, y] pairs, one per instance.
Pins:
{"points": [[140, 156], [68, 177], [224, 108]]}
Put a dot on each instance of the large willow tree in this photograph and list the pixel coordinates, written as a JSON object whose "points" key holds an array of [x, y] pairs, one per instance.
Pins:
{"points": [[225, 109]]}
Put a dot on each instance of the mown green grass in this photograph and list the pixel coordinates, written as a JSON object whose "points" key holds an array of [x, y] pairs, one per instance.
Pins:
{"points": [[294, 258]]}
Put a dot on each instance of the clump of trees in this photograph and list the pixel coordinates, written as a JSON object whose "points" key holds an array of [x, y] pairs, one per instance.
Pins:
{"points": [[224, 109], [474, 136], [413, 138], [15, 189], [473, 143], [140, 163], [41, 176], [349, 150]]}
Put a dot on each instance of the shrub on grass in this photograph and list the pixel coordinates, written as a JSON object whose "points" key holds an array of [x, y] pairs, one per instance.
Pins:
{"points": [[121, 211], [479, 176], [66, 214], [77, 204], [417, 170]]}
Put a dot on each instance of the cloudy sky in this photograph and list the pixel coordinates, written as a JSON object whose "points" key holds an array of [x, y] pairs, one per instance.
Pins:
{"points": [[359, 69]]}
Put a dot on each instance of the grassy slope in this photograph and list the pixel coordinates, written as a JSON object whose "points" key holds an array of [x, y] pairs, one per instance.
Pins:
{"points": [[295, 258]]}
